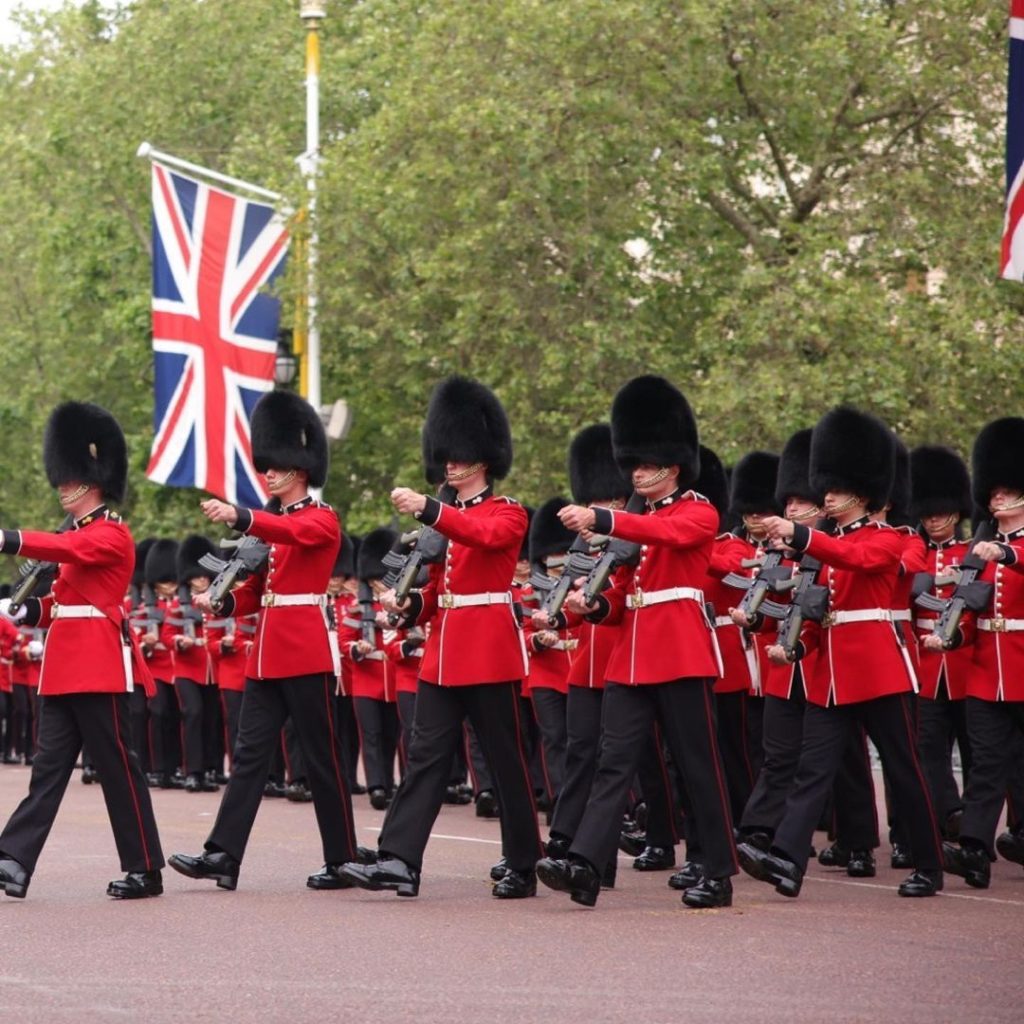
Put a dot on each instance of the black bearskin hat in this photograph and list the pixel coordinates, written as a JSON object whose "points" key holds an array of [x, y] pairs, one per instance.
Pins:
{"points": [[375, 545], [547, 534], [794, 467], [162, 562], [84, 443], [345, 563], [594, 475], [653, 423], [141, 551], [287, 434], [997, 459], [712, 482], [752, 486], [466, 423], [191, 549], [852, 451], [940, 483], [899, 496]]}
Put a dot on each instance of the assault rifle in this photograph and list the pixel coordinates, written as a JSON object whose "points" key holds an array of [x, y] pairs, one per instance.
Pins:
{"points": [[555, 590], [149, 616], [970, 592], [773, 578], [33, 570], [250, 556], [615, 553], [367, 621]]}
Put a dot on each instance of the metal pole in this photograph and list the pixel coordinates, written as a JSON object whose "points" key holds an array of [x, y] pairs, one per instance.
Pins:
{"points": [[312, 13], [147, 152]]}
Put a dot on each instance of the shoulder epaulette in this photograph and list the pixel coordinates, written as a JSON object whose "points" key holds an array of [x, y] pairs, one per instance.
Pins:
{"points": [[695, 496], [506, 499]]}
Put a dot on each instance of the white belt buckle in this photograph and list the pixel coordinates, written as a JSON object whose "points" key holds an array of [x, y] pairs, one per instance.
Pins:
{"points": [[267, 600], [997, 625], [638, 598], [447, 600]]}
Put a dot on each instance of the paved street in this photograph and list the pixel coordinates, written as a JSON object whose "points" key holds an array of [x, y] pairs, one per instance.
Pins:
{"points": [[276, 951]]}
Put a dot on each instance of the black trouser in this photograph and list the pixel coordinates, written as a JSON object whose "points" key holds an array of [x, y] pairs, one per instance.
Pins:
{"points": [[294, 762], [102, 720], [440, 710], [266, 705], [24, 700], [783, 732], [405, 703], [583, 744], [164, 735], [479, 774], [5, 704], [378, 739], [1015, 787], [739, 758], [827, 736], [139, 719], [854, 807], [686, 713], [532, 744], [231, 706], [940, 722], [656, 789], [549, 710], [994, 727], [198, 704], [348, 732]]}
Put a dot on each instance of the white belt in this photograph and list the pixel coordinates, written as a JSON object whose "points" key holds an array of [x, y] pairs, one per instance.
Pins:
{"points": [[76, 611], [643, 598], [928, 625], [724, 620], [564, 645], [373, 656], [293, 600], [858, 615], [1001, 625], [470, 600], [902, 615]]}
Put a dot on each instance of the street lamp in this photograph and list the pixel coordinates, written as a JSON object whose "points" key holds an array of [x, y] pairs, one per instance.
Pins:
{"points": [[286, 364]]}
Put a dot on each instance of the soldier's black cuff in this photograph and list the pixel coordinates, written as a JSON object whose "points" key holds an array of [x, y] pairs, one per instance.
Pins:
{"points": [[558, 621], [600, 613], [243, 520], [415, 610], [957, 641], [801, 537], [1009, 555], [10, 542], [798, 651], [431, 512], [536, 645], [227, 609], [33, 612], [756, 622], [409, 648], [604, 521]]}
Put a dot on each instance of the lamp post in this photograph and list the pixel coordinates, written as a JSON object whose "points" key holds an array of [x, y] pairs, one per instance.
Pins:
{"points": [[312, 13], [286, 363]]}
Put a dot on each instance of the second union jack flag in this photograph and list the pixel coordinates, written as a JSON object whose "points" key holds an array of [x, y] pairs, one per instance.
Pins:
{"points": [[214, 333], [1011, 264]]}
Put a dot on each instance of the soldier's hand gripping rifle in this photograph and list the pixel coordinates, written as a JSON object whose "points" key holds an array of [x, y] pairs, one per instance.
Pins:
{"points": [[367, 621], [188, 615], [32, 571], [969, 594], [554, 590], [250, 557], [404, 570], [615, 554]]}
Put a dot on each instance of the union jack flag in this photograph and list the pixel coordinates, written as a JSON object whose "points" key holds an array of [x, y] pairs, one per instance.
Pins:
{"points": [[1011, 266], [214, 333]]}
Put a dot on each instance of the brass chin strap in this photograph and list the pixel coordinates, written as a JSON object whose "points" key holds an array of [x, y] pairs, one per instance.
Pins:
{"points": [[1009, 507], [845, 507], [811, 513], [285, 480], [652, 481], [464, 474], [946, 523], [76, 494]]}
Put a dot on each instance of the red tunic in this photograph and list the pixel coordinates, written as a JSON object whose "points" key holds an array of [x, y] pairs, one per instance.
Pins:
{"points": [[858, 661], [405, 656], [659, 643], [549, 666], [192, 663], [229, 642], [372, 674], [477, 643], [291, 640], [160, 657], [933, 666], [8, 638], [85, 655], [344, 607], [590, 659]]}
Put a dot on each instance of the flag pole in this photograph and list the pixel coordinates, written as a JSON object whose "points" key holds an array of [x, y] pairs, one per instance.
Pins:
{"points": [[147, 152], [312, 13]]}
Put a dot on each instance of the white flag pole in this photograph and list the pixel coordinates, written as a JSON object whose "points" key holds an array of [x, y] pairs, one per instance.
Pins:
{"points": [[147, 152]]}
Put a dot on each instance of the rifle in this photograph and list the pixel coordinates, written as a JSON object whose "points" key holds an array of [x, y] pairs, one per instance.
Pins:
{"points": [[149, 616], [809, 602], [555, 590], [189, 615], [250, 557], [367, 621], [773, 577], [615, 553], [970, 593], [33, 570]]}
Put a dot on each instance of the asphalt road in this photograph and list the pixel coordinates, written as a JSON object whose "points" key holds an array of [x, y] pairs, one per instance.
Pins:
{"points": [[277, 951]]}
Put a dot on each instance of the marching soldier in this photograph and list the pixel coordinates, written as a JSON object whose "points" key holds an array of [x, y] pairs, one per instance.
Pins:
{"points": [[860, 676], [86, 698], [293, 667], [663, 667], [474, 660]]}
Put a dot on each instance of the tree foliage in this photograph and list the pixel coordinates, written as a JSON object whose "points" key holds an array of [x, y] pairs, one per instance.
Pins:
{"points": [[778, 204]]}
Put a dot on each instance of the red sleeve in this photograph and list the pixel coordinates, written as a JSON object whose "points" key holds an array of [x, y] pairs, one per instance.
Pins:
{"points": [[247, 596], [76, 547], [698, 526], [726, 557], [915, 555], [880, 553], [504, 528], [317, 527]]}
